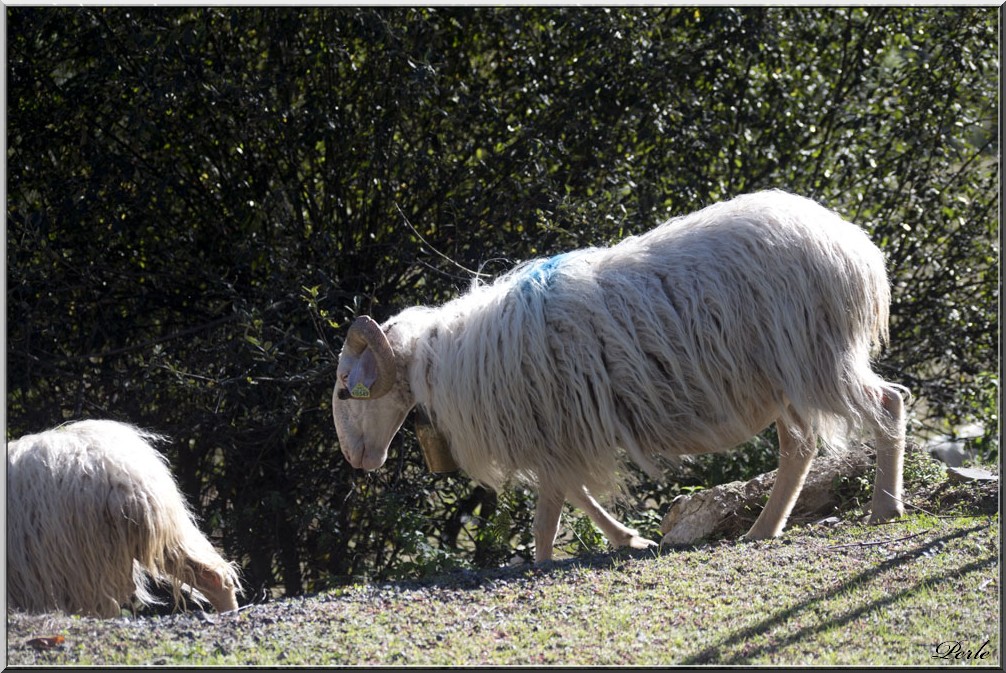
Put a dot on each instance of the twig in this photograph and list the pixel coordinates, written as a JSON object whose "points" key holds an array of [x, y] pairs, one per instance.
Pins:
{"points": [[876, 543], [153, 342], [926, 511], [428, 245], [937, 516]]}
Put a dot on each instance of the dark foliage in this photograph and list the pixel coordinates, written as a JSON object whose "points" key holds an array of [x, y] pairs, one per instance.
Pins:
{"points": [[200, 199]]}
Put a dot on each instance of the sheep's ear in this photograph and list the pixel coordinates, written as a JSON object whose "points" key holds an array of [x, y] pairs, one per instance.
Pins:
{"points": [[370, 359], [208, 578], [363, 375]]}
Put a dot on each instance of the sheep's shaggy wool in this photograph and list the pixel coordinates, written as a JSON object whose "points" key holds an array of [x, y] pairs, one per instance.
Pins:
{"points": [[92, 511], [687, 339]]}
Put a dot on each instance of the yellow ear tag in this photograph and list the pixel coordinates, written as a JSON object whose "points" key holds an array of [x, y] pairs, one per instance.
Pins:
{"points": [[360, 391]]}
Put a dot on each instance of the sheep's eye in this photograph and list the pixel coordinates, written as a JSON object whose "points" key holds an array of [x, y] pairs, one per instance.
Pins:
{"points": [[343, 394]]}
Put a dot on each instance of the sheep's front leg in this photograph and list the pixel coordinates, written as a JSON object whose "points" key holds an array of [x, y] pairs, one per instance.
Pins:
{"points": [[890, 440], [546, 522], [617, 534], [796, 453]]}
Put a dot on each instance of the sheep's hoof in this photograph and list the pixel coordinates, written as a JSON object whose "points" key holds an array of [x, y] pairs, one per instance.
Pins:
{"points": [[886, 514], [637, 542], [762, 532], [543, 559]]}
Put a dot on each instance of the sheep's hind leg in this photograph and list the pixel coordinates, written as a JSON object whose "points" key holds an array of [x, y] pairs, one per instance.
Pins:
{"points": [[546, 522], [796, 453], [617, 534], [890, 440]]}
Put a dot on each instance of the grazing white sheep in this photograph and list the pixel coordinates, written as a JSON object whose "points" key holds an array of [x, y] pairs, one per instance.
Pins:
{"points": [[92, 511], [688, 339]]}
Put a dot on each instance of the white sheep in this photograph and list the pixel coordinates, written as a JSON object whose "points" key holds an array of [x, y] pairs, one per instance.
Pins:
{"points": [[688, 339], [92, 513]]}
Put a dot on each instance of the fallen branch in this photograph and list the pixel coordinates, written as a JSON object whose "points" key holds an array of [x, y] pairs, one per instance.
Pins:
{"points": [[729, 509]]}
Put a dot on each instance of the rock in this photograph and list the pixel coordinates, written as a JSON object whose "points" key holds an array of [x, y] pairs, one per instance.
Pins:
{"points": [[962, 475]]}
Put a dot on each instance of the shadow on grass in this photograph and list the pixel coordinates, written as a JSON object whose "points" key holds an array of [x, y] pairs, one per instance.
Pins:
{"points": [[486, 577], [713, 653]]}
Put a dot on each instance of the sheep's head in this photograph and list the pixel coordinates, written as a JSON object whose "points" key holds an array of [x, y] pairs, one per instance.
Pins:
{"points": [[370, 400]]}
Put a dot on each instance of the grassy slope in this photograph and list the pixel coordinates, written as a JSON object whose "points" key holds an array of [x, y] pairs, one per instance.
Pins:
{"points": [[815, 596]]}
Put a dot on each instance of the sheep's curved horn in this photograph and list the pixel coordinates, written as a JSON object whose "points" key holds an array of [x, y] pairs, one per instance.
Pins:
{"points": [[366, 336]]}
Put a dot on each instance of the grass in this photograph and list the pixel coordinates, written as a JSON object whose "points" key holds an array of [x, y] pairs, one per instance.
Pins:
{"points": [[848, 594]]}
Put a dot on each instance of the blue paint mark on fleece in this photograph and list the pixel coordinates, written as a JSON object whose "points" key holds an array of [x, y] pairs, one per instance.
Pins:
{"points": [[539, 275]]}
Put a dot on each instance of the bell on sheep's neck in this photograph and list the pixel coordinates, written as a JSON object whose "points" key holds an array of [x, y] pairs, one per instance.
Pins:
{"points": [[436, 449]]}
